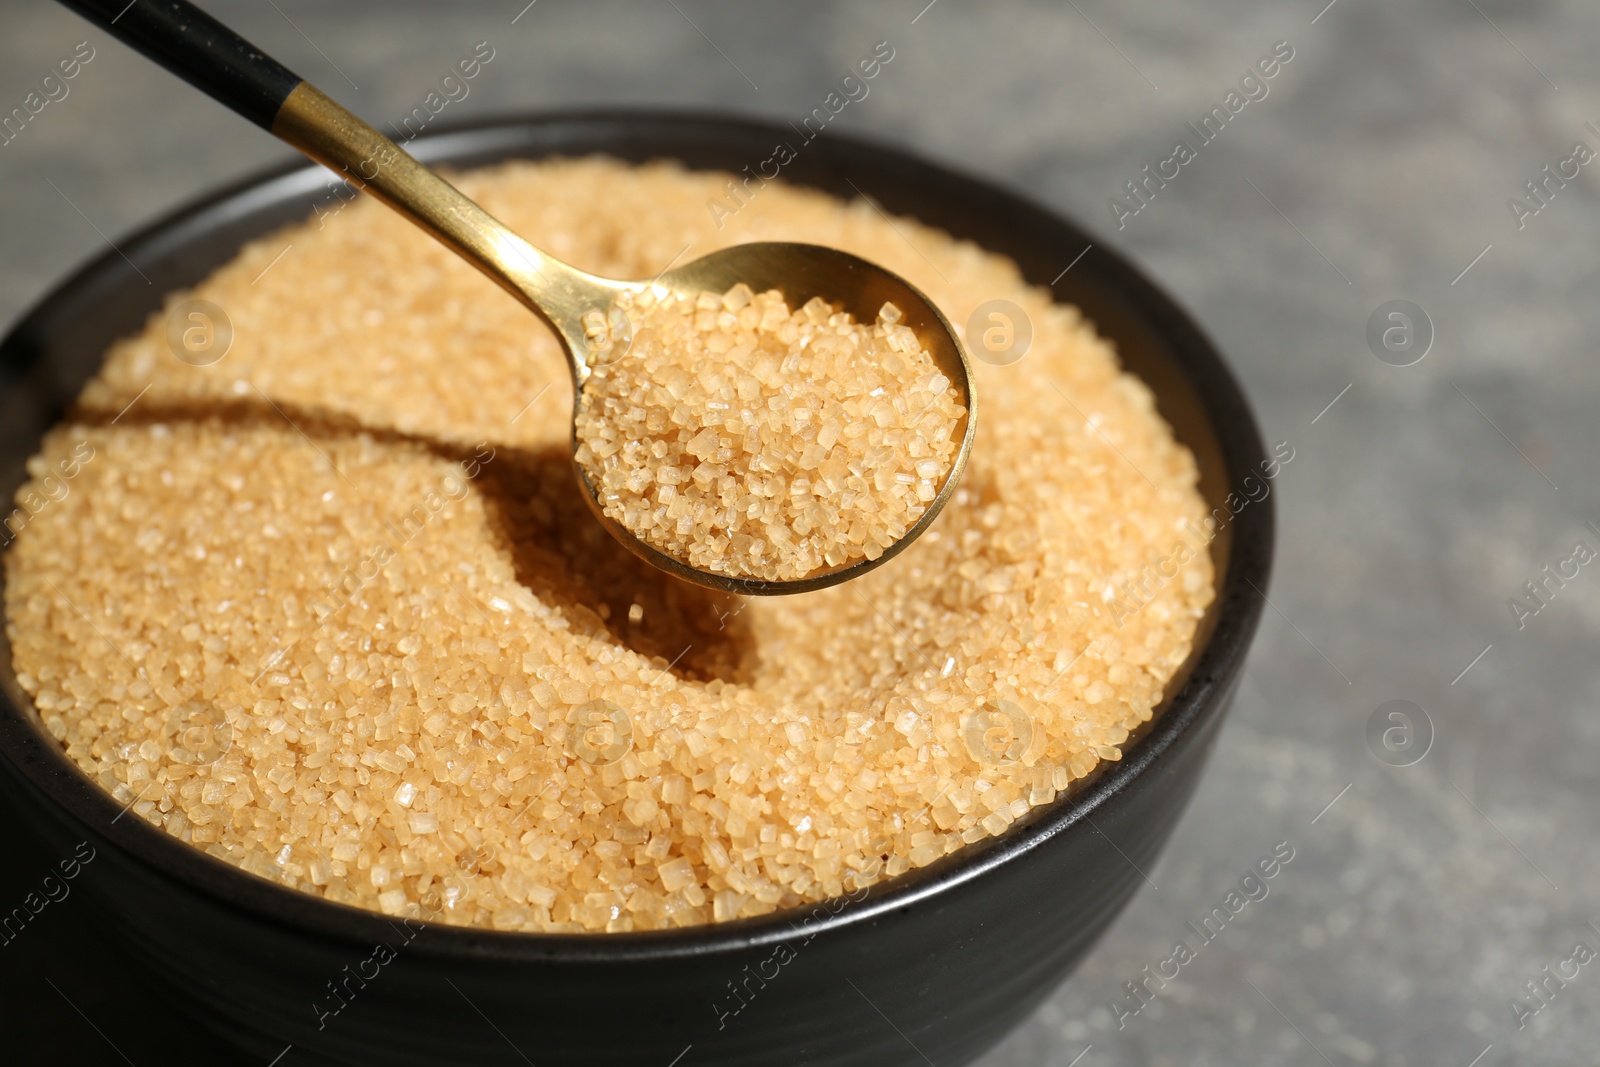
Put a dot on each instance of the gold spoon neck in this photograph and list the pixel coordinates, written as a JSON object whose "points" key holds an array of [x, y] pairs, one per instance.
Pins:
{"points": [[566, 298]]}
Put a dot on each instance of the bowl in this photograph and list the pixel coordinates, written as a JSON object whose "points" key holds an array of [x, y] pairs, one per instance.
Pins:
{"points": [[934, 966]]}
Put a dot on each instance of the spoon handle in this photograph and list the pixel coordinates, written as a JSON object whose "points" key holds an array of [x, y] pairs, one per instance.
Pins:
{"points": [[207, 54]]}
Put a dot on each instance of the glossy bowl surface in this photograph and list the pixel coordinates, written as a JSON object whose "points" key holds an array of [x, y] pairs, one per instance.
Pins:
{"points": [[935, 966]]}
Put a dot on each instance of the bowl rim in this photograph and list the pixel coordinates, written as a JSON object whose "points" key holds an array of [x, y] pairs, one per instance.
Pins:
{"points": [[1211, 669]]}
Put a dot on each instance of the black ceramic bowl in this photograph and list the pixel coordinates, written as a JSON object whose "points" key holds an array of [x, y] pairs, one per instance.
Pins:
{"points": [[933, 966]]}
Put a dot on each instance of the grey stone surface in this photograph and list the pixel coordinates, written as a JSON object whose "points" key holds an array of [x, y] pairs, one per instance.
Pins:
{"points": [[1418, 905]]}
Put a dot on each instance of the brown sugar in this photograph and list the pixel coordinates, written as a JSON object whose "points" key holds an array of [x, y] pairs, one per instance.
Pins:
{"points": [[750, 440], [333, 609]]}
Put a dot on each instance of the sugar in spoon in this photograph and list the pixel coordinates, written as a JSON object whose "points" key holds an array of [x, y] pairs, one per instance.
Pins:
{"points": [[580, 307]]}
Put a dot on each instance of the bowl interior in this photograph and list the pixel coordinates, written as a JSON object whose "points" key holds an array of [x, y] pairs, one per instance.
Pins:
{"points": [[48, 356]]}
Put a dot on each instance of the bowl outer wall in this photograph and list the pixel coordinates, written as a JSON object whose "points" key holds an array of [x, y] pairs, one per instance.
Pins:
{"points": [[954, 954]]}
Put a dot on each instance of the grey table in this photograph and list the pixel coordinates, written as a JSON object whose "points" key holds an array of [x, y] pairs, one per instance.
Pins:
{"points": [[1379, 166]]}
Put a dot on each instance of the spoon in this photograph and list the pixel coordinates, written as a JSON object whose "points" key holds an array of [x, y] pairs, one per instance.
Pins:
{"points": [[578, 306]]}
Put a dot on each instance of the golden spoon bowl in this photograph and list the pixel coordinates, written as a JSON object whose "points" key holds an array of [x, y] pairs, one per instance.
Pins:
{"points": [[801, 271]]}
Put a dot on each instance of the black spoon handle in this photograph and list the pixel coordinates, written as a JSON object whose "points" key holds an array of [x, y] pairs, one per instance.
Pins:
{"points": [[198, 49]]}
